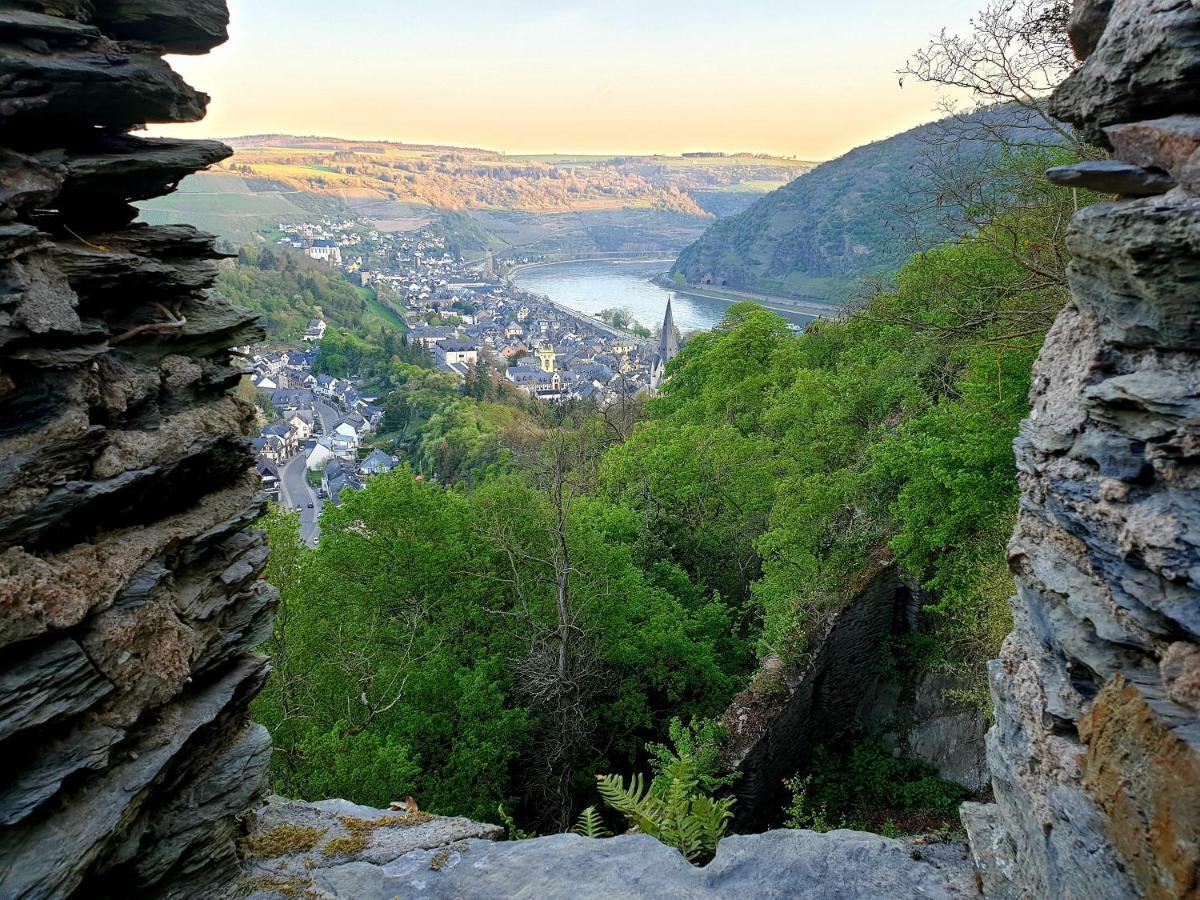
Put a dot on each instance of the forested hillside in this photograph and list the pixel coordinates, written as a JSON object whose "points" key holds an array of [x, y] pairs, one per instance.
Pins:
{"points": [[288, 290], [547, 593], [861, 214]]}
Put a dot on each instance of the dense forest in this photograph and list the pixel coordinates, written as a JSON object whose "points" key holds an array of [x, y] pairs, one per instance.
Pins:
{"points": [[546, 594]]}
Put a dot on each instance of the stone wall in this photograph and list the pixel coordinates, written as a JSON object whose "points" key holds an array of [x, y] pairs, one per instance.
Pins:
{"points": [[848, 688], [1095, 754], [130, 602]]}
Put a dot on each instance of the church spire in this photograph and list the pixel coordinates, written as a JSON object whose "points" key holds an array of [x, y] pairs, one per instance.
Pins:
{"points": [[668, 349]]}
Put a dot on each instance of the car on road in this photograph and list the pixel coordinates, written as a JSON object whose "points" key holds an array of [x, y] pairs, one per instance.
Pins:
{"points": [[310, 506]]}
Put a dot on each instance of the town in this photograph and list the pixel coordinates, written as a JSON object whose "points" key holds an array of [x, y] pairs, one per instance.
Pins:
{"points": [[472, 320]]}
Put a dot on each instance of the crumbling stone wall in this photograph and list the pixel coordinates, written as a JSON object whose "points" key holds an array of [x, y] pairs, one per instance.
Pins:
{"points": [[130, 599], [1095, 754]]}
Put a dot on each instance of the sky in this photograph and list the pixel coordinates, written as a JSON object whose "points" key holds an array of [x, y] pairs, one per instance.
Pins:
{"points": [[797, 78]]}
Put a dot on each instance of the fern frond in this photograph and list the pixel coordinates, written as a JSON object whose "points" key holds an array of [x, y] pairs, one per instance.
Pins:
{"points": [[590, 825]]}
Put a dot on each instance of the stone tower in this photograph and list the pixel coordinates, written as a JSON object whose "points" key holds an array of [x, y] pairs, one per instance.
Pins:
{"points": [[668, 349]]}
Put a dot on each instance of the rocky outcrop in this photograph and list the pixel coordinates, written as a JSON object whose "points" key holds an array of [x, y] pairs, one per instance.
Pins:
{"points": [[848, 687], [335, 849], [130, 602], [1095, 754]]}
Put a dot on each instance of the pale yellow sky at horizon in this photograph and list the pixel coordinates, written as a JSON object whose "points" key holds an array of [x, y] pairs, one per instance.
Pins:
{"points": [[581, 77]]}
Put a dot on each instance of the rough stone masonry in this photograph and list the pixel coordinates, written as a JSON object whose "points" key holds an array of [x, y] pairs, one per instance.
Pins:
{"points": [[1095, 753], [130, 599]]}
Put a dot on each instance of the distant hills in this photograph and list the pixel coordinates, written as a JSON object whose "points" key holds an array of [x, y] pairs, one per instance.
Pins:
{"points": [[845, 219], [528, 203]]}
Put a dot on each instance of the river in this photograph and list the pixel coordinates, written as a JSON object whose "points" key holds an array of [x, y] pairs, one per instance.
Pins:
{"points": [[596, 285]]}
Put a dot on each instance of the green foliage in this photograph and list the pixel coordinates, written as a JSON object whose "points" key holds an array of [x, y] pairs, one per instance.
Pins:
{"points": [[513, 832], [677, 807], [407, 641], [549, 599], [777, 470], [699, 741], [671, 809], [288, 290], [590, 825], [866, 788], [848, 218], [385, 356]]}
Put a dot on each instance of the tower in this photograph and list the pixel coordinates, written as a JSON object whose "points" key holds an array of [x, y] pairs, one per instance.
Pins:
{"points": [[668, 349]]}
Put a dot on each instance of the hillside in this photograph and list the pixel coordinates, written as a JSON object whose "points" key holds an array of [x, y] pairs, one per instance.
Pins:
{"points": [[287, 290], [847, 218], [532, 203]]}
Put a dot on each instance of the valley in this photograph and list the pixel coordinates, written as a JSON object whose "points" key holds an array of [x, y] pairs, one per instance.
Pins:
{"points": [[391, 518]]}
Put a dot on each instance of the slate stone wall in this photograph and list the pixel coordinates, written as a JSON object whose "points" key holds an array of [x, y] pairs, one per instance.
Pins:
{"points": [[1095, 754], [130, 599]]}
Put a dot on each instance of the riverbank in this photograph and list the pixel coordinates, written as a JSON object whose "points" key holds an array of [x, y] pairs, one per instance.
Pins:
{"points": [[814, 308], [625, 258]]}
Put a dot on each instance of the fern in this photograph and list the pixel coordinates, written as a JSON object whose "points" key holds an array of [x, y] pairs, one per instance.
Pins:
{"points": [[590, 825], [671, 809]]}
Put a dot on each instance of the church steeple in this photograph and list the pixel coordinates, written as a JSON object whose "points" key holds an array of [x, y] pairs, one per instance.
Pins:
{"points": [[668, 349]]}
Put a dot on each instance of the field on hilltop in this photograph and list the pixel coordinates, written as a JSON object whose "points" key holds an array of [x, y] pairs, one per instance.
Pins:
{"points": [[457, 179]]}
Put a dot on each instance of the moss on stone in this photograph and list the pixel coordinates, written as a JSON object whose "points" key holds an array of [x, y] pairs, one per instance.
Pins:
{"points": [[283, 840], [359, 831], [439, 860]]}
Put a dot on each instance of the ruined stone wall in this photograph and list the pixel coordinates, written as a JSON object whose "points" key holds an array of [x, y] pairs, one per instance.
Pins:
{"points": [[129, 595], [1095, 754]]}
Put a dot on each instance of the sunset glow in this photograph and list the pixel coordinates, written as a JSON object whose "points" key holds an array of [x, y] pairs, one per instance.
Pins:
{"points": [[803, 79]]}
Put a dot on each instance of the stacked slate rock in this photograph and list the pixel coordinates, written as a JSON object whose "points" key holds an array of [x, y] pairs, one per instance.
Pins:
{"points": [[1095, 754], [130, 600]]}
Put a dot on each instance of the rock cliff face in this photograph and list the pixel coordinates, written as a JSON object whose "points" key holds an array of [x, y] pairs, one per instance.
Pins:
{"points": [[129, 595], [1095, 755], [847, 688]]}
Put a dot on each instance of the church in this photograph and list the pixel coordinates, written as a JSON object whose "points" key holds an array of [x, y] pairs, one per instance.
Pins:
{"points": [[668, 349]]}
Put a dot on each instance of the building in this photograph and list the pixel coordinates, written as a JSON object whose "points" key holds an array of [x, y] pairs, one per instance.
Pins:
{"points": [[668, 349], [270, 478], [452, 352], [315, 331], [376, 463], [327, 252]]}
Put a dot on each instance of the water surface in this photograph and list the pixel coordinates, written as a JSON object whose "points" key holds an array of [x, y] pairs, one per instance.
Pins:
{"points": [[596, 285]]}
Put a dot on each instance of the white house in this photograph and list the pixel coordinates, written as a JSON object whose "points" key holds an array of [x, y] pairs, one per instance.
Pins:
{"points": [[321, 454], [450, 352], [325, 251], [303, 423], [315, 330]]}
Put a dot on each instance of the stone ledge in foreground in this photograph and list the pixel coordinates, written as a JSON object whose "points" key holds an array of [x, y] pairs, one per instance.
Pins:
{"points": [[454, 858]]}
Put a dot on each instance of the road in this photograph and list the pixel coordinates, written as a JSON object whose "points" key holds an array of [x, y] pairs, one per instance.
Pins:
{"points": [[329, 416], [596, 323], [815, 308], [295, 493]]}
